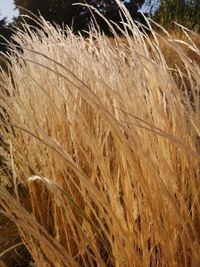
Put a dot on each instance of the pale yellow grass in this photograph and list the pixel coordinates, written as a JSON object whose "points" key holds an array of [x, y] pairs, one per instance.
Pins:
{"points": [[102, 152]]}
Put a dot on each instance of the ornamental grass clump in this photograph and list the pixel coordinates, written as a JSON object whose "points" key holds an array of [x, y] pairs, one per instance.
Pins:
{"points": [[100, 151]]}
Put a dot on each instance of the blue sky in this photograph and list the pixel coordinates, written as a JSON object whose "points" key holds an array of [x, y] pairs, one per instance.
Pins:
{"points": [[7, 9]]}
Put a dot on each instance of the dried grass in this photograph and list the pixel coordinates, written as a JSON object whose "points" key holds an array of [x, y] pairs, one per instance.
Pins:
{"points": [[101, 151]]}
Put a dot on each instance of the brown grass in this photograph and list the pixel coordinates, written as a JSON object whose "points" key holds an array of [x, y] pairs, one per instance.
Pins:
{"points": [[101, 152]]}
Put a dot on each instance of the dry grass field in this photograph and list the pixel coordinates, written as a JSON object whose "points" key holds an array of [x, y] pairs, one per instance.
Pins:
{"points": [[100, 150]]}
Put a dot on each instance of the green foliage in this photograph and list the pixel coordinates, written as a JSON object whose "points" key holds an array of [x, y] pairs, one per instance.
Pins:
{"points": [[186, 13]]}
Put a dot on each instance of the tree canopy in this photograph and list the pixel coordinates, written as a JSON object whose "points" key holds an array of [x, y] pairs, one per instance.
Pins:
{"points": [[63, 11], [5, 33]]}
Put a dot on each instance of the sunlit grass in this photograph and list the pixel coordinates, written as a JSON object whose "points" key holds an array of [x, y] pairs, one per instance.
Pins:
{"points": [[100, 141]]}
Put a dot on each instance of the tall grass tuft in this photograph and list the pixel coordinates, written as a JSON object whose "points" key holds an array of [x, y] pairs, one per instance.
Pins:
{"points": [[100, 149]]}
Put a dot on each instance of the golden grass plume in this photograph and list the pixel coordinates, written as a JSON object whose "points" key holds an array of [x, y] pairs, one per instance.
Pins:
{"points": [[100, 151]]}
